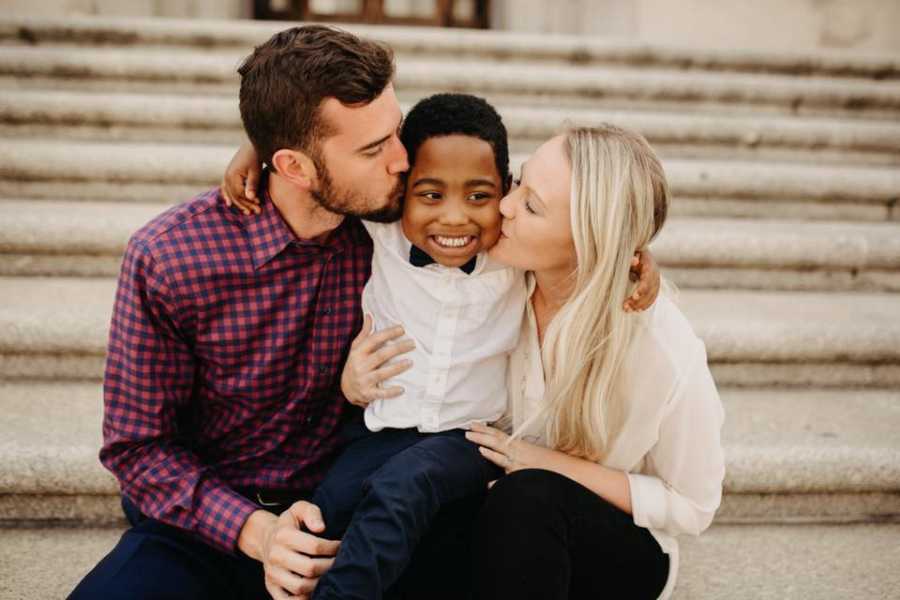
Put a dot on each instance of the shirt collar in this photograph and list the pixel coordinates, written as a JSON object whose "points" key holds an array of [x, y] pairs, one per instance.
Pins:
{"points": [[269, 234], [267, 231]]}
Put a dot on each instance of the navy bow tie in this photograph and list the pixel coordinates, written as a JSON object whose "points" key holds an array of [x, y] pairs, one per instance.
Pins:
{"points": [[420, 258]]}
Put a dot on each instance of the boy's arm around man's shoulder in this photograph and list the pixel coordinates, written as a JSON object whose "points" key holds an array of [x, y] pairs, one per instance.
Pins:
{"points": [[149, 377]]}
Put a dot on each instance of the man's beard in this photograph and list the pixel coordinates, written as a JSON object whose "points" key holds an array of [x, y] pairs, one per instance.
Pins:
{"points": [[344, 202]]}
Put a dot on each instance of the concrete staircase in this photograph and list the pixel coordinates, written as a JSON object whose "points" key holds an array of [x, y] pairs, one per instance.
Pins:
{"points": [[785, 241]]}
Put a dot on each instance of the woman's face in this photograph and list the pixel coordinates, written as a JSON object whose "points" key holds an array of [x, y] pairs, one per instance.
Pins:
{"points": [[536, 233]]}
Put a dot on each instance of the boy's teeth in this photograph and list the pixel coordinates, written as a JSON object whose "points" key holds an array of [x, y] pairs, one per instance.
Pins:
{"points": [[454, 242]]}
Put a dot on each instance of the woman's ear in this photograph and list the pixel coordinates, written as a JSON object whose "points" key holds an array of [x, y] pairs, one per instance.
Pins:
{"points": [[295, 166]]}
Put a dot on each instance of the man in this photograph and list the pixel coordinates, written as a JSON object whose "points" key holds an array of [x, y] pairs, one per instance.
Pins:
{"points": [[228, 336]]}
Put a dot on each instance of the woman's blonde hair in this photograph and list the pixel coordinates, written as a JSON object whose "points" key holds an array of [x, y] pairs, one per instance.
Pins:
{"points": [[618, 205]]}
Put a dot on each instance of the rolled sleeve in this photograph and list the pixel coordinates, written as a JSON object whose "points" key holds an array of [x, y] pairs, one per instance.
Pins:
{"points": [[686, 467], [148, 381]]}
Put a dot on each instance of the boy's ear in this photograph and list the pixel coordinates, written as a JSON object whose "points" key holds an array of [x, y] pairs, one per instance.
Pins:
{"points": [[295, 166], [507, 185]]}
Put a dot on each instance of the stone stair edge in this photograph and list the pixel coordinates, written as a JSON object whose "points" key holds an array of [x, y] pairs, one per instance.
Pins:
{"points": [[571, 48], [103, 228], [193, 113], [154, 64], [739, 327], [26, 160], [776, 442]]}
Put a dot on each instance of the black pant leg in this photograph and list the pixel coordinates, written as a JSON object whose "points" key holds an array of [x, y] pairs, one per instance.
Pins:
{"points": [[400, 502], [541, 535]]}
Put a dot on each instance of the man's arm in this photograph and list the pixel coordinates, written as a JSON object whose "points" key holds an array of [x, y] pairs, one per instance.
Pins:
{"points": [[148, 381]]}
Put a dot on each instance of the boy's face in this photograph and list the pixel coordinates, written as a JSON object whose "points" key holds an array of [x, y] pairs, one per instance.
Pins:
{"points": [[452, 205]]}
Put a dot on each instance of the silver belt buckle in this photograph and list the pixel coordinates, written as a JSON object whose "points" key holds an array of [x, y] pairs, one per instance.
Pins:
{"points": [[264, 503]]}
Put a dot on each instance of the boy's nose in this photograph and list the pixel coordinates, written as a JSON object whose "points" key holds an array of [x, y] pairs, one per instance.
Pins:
{"points": [[453, 214]]}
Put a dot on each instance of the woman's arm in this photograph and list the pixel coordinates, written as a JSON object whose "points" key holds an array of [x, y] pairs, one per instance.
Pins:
{"points": [[688, 460], [610, 484], [242, 178]]}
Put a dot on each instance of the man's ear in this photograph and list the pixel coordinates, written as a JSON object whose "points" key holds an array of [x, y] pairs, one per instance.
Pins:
{"points": [[295, 166]]}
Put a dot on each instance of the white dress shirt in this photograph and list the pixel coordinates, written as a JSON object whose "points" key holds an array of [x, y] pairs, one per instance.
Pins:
{"points": [[464, 327], [669, 444]]}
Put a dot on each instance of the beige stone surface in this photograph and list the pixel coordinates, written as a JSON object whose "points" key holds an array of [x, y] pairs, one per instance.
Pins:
{"points": [[429, 42], [788, 562], [521, 83], [791, 455], [172, 118], [102, 164]]}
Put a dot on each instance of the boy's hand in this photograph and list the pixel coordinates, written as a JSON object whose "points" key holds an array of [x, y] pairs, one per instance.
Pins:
{"points": [[644, 268], [365, 368], [241, 179]]}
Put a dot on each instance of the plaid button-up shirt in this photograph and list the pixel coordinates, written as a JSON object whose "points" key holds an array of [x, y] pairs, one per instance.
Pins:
{"points": [[227, 342]]}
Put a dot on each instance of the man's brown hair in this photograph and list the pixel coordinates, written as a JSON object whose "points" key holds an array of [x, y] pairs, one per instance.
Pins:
{"points": [[285, 80]]}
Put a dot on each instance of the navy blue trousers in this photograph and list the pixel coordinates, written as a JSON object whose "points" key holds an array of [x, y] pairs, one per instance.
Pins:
{"points": [[153, 560], [382, 495]]}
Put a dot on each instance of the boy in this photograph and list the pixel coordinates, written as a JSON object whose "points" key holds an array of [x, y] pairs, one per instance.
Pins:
{"points": [[430, 272]]}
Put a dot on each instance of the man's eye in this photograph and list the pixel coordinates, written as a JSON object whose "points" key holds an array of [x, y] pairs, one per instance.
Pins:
{"points": [[373, 152]]}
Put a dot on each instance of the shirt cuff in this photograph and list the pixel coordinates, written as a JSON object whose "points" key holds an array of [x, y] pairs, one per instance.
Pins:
{"points": [[648, 500], [221, 516]]}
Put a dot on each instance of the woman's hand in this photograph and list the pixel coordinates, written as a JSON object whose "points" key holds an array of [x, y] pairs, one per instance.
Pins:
{"points": [[365, 368], [645, 269], [510, 455], [241, 179]]}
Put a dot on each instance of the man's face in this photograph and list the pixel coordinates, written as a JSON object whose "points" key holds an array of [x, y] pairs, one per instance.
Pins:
{"points": [[360, 166], [452, 200]]}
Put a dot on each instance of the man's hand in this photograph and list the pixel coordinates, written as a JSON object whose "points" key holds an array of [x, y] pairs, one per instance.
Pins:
{"points": [[645, 269], [293, 560], [241, 180], [365, 368]]}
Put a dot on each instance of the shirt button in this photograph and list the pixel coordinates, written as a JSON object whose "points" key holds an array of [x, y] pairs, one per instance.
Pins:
{"points": [[327, 311], [323, 370], [309, 420]]}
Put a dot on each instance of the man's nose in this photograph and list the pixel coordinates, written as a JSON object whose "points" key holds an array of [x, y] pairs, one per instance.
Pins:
{"points": [[399, 161]]}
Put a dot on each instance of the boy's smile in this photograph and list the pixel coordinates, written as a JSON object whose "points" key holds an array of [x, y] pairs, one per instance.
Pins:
{"points": [[452, 205]]}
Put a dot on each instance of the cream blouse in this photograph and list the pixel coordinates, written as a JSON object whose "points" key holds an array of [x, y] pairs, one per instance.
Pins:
{"points": [[669, 444]]}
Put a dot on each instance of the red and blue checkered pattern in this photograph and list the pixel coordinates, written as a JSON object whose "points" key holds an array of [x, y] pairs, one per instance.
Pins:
{"points": [[227, 342]]}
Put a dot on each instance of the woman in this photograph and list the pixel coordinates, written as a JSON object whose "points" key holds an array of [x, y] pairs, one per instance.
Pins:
{"points": [[611, 444], [615, 419]]}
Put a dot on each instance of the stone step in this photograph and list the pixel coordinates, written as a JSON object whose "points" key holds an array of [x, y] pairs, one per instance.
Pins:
{"points": [[213, 35], [55, 328], [50, 238], [188, 71], [792, 456], [728, 562], [175, 172], [204, 119]]}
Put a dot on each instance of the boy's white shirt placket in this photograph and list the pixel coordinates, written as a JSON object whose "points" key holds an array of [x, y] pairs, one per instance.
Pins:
{"points": [[464, 327]]}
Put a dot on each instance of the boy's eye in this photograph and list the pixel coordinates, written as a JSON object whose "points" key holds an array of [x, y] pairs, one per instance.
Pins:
{"points": [[433, 196], [479, 197]]}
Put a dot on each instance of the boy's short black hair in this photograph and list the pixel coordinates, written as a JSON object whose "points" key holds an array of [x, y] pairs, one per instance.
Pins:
{"points": [[461, 114]]}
